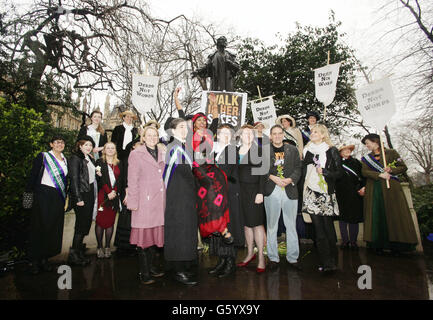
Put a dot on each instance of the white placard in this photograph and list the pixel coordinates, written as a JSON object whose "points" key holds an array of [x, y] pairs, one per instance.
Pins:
{"points": [[325, 80], [376, 103], [264, 112], [144, 91]]}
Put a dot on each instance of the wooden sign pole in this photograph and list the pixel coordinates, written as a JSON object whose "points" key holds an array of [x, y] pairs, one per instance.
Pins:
{"points": [[384, 158]]}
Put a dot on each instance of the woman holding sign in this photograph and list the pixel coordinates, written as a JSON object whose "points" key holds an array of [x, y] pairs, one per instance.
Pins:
{"points": [[388, 223]]}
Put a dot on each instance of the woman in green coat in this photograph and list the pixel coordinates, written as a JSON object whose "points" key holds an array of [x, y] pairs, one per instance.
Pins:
{"points": [[388, 222]]}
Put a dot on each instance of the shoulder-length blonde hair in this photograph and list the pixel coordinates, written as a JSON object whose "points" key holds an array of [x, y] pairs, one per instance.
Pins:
{"points": [[145, 129], [324, 131], [104, 156]]}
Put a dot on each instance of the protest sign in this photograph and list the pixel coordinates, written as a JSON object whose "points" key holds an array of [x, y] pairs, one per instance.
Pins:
{"points": [[264, 111], [144, 92], [231, 106], [376, 103], [325, 79]]}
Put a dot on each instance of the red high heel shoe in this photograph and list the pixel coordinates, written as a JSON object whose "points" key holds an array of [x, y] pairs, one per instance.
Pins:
{"points": [[260, 270], [244, 264]]}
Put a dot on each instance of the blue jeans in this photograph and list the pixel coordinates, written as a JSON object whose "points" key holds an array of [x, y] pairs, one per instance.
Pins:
{"points": [[273, 204]]}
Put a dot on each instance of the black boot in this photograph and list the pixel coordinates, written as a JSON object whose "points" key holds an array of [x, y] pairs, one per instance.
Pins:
{"points": [[74, 258], [154, 271], [45, 266], [220, 265], [81, 249], [229, 268], [144, 267], [34, 267]]}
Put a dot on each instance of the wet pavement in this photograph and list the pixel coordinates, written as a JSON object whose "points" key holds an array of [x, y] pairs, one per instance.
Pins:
{"points": [[405, 277]]}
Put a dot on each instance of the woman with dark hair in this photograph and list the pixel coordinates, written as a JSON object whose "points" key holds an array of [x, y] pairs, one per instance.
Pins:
{"points": [[350, 189], [48, 183], [312, 118], [226, 158], [109, 185], [388, 224], [96, 132], [180, 218], [82, 196], [251, 197]]}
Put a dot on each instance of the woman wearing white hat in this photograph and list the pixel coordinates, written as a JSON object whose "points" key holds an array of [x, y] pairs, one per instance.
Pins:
{"points": [[292, 134]]}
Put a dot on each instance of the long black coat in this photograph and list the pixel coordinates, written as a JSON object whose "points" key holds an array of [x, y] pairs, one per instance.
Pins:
{"points": [[228, 162], [349, 201], [181, 218]]}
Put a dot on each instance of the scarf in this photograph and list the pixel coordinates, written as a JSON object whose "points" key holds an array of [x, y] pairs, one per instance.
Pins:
{"points": [[315, 181], [56, 173], [127, 138]]}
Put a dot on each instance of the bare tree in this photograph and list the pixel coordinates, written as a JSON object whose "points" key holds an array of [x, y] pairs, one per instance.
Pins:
{"points": [[411, 41], [417, 141]]}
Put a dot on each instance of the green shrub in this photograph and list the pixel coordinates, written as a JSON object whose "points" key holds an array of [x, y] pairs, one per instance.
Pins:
{"points": [[423, 205], [23, 134]]}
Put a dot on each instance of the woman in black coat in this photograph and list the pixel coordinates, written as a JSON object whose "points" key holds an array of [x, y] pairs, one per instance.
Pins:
{"points": [[48, 183], [82, 196], [350, 189], [124, 134], [251, 196], [226, 158], [181, 219], [322, 167], [96, 132]]}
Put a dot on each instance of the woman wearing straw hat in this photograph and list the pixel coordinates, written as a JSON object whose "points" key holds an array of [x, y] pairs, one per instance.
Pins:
{"points": [[350, 189], [292, 134], [123, 134]]}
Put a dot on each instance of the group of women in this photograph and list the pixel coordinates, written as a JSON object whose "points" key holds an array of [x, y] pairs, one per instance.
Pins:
{"points": [[167, 191]]}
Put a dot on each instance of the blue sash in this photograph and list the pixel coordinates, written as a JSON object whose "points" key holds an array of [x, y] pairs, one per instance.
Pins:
{"points": [[177, 155], [375, 165]]}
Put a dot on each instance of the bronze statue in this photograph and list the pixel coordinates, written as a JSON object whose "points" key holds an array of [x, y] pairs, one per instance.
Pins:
{"points": [[221, 67]]}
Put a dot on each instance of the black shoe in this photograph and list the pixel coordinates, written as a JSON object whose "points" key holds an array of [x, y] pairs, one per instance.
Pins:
{"points": [[329, 270], [272, 265], [354, 245], [34, 268], [145, 278], [229, 268], [45, 266], [296, 265], [83, 257], [183, 278], [345, 245], [74, 258], [228, 240], [219, 267]]}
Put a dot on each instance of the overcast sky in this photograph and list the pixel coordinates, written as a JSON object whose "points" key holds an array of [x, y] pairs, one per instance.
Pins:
{"points": [[362, 21]]}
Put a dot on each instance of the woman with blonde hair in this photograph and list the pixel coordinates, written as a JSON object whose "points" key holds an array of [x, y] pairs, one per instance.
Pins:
{"points": [[109, 170], [322, 166], [146, 200]]}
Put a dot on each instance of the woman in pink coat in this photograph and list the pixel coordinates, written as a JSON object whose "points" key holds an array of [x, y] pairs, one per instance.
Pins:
{"points": [[146, 200]]}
